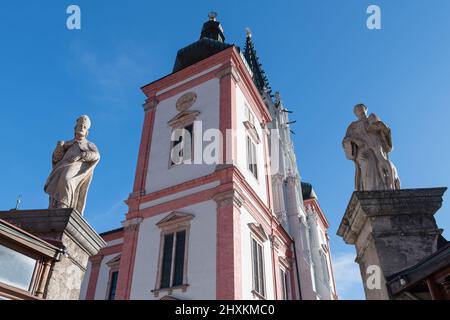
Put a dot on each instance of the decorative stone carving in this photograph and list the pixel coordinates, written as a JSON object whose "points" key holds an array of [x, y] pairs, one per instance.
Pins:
{"points": [[132, 224], [368, 142], [228, 71], [252, 131], [150, 104], [186, 101], [183, 118], [73, 164], [230, 197]]}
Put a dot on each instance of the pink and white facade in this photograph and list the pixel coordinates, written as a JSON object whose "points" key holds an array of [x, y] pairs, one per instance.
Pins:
{"points": [[231, 229]]}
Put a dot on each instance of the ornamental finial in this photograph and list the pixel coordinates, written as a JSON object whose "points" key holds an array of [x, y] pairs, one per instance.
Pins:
{"points": [[212, 16], [248, 32]]}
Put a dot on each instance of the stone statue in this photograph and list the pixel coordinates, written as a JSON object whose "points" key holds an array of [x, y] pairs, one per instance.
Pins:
{"points": [[368, 142], [73, 164]]}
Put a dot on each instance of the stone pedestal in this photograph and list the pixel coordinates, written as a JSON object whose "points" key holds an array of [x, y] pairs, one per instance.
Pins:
{"points": [[391, 230], [68, 230]]}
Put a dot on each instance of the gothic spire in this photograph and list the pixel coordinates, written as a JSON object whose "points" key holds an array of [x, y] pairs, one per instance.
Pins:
{"points": [[259, 77]]}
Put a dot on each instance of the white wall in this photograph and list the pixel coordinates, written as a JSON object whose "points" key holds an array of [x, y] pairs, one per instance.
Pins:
{"points": [[103, 278], [201, 273], [258, 185], [85, 282], [159, 175], [246, 258]]}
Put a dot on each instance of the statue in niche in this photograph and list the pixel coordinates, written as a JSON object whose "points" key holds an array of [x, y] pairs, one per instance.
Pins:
{"points": [[73, 164], [368, 142]]}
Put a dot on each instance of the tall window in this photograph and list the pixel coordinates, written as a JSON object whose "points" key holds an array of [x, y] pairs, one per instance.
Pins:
{"points": [[181, 149], [173, 259], [258, 268], [16, 269], [249, 115], [113, 285], [284, 284], [251, 157]]}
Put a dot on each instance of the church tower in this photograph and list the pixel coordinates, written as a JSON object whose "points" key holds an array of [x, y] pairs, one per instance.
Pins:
{"points": [[202, 221]]}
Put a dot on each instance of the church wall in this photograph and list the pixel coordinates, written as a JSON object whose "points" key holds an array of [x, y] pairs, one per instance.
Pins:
{"points": [[109, 252], [201, 268], [247, 273], [103, 278], [159, 175], [259, 185], [85, 282]]}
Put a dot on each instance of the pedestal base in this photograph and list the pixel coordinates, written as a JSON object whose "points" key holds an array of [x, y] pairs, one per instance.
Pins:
{"points": [[391, 230], [68, 230]]}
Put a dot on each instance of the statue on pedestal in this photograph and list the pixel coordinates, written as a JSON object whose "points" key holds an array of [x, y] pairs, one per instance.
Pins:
{"points": [[73, 164], [368, 142]]}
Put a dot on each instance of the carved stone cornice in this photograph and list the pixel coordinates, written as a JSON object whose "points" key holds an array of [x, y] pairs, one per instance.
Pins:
{"points": [[229, 197], [229, 71], [274, 242], [132, 224], [96, 260], [150, 104], [259, 232]]}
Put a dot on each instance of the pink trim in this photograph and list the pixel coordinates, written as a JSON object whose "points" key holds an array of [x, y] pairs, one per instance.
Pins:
{"points": [[228, 254], [178, 188], [188, 85], [144, 153], [228, 220], [111, 250], [113, 236], [321, 215], [226, 56], [96, 262], [174, 78], [276, 275], [127, 262]]}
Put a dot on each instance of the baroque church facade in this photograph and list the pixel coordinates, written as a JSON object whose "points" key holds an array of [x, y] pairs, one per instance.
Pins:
{"points": [[246, 227]]}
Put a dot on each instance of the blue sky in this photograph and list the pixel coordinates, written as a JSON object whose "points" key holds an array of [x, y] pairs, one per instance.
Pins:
{"points": [[318, 54]]}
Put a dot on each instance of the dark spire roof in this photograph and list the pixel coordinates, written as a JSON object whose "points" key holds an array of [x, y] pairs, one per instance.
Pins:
{"points": [[308, 191], [212, 41], [259, 77]]}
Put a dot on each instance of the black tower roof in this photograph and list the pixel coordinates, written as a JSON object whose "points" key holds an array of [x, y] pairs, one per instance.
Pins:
{"points": [[259, 77], [308, 191], [212, 41]]}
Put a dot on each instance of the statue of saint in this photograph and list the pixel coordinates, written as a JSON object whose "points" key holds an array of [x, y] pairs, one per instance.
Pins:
{"points": [[368, 142], [73, 164]]}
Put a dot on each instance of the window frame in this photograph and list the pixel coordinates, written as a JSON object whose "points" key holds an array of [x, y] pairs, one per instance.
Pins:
{"points": [[38, 269], [251, 145], [284, 277], [114, 265], [172, 144], [173, 257], [260, 261], [175, 222], [249, 116]]}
